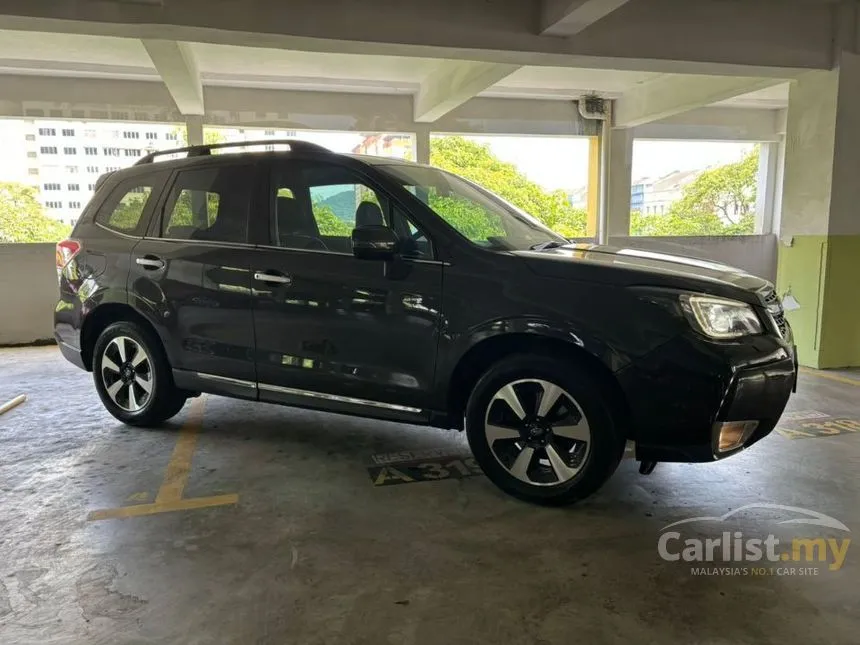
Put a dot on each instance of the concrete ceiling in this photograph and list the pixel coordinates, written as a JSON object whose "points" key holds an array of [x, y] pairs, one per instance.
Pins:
{"points": [[436, 85], [47, 54], [568, 82]]}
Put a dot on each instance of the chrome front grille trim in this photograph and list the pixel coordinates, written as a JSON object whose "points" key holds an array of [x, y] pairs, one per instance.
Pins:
{"points": [[774, 308]]}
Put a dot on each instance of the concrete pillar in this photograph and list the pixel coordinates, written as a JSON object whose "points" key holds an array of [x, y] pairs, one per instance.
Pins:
{"points": [[819, 235], [619, 181], [768, 162], [422, 144], [194, 130]]}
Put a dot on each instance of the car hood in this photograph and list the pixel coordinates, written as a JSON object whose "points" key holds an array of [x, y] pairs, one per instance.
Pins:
{"points": [[629, 267]]}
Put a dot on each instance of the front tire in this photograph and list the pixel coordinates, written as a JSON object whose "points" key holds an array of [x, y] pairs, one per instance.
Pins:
{"points": [[133, 377], [542, 429]]}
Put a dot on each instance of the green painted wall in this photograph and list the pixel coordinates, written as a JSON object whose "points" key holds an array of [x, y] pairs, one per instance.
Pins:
{"points": [[840, 324], [823, 275]]}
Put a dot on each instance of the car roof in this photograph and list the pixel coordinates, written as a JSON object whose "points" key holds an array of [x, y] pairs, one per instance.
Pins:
{"points": [[375, 160], [200, 155]]}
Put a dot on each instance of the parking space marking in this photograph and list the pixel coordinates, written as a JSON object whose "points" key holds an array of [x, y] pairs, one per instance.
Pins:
{"points": [[169, 497], [179, 466], [813, 429], [832, 377], [801, 415], [423, 470]]}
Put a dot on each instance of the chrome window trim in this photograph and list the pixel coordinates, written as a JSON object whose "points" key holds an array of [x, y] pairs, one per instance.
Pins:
{"points": [[225, 379], [339, 399], [243, 245], [272, 247], [110, 230]]}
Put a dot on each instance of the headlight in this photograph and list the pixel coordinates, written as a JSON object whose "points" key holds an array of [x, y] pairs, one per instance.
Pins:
{"points": [[719, 317]]}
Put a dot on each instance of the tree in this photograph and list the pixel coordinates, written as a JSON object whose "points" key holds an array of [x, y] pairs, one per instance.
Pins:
{"points": [[209, 136], [22, 218], [476, 162], [329, 223], [720, 201]]}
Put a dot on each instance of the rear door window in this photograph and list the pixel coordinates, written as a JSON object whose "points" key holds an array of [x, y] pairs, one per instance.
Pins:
{"points": [[209, 204]]}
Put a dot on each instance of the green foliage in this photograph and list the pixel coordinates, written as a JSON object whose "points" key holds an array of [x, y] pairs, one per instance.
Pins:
{"points": [[209, 136], [127, 213], [476, 162], [22, 218], [330, 224], [468, 218], [184, 209], [721, 201]]}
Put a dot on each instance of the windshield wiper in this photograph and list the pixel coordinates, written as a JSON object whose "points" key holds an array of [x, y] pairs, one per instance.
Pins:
{"points": [[543, 246]]}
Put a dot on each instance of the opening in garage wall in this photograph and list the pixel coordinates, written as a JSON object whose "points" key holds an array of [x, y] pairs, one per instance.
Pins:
{"points": [[547, 177], [694, 188]]}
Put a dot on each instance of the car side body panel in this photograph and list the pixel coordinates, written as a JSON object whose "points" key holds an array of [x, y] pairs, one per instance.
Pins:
{"points": [[618, 307]]}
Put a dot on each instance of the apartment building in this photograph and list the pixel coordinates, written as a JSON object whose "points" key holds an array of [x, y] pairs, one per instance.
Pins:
{"points": [[65, 158]]}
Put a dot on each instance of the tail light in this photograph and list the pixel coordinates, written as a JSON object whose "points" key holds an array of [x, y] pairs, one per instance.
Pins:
{"points": [[66, 250]]}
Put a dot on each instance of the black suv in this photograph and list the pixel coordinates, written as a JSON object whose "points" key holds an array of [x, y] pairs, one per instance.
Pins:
{"points": [[386, 289]]}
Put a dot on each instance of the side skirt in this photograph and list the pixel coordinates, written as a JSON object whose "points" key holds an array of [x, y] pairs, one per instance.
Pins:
{"points": [[322, 401]]}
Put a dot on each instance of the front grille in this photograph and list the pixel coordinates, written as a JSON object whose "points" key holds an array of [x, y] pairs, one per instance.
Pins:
{"points": [[774, 307]]}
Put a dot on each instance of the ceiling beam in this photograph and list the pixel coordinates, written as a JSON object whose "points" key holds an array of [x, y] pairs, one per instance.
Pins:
{"points": [[715, 124], [673, 94], [34, 97], [453, 83], [569, 17], [175, 63]]}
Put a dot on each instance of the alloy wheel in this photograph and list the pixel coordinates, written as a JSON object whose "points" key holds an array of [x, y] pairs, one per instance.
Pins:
{"points": [[538, 432], [126, 371]]}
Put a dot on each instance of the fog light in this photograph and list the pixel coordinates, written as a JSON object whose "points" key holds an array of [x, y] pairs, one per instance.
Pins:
{"points": [[733, 434]]}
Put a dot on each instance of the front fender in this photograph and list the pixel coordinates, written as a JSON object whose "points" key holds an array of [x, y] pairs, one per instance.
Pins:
{"points": [[539, 327], [508, 334]]}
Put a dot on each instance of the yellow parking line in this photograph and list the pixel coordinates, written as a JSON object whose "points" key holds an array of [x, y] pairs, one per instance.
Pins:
{"points": [[180, 462], [832, 377], [169, 496], [166, 507]]}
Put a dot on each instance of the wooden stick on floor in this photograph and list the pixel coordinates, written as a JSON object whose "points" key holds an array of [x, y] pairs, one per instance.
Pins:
{"points": [[18, 400]]}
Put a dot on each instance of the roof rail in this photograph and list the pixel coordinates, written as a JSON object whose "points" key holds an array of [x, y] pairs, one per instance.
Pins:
{"points": [[205, 149]]}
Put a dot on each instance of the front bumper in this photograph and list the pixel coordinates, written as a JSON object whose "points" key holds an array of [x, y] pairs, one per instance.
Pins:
{"points": [[682, 395]]}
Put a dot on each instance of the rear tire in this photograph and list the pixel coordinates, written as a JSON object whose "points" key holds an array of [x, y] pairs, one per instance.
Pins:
{"points": [[542, 429], [133, 377]]}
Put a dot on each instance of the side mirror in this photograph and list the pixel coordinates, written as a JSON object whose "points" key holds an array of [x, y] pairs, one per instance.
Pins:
{"points": [[374, 242]]}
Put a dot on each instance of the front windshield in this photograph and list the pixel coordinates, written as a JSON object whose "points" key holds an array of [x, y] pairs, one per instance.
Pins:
{"points": [[478, 215]]}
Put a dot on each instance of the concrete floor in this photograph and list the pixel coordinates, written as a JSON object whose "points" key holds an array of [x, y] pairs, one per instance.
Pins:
{"points": [[313, 552]]}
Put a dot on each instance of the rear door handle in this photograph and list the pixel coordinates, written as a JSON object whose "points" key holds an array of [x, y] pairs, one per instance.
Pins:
{"points": [[150, 262], [270, 277]]}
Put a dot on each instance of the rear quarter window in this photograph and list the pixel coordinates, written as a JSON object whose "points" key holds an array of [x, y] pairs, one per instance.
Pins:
{"points": [[126, 215], [126, 207]]}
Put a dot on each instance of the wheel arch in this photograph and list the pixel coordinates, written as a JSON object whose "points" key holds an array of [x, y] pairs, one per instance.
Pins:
{"points": [[99, 319], [484, 353]]}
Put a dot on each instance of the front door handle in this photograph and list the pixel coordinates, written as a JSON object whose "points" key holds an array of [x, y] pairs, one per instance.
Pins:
{"points": [[270, 277], [150, 262]]}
